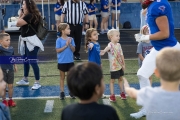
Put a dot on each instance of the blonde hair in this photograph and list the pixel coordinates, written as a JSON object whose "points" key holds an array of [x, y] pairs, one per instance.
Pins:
{"points": [[62, 26], [167, 63], [2, 35], [87, 36], [111, 32]]}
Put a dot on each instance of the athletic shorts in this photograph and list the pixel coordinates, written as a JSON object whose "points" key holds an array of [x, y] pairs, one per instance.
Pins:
{"points": [[65, 66], [114, 11], [104, 14], [8, 76], [92, 17], [57, 17], [117, 74]]}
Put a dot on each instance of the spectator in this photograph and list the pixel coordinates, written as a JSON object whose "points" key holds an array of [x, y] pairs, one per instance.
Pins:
{"points": [[75, 22], [29, 43], [113, 4], [84, 20], [1, 20], [92, 14]]}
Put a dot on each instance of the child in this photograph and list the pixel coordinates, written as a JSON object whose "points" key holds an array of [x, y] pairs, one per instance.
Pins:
{"points": [[161, 103], [64, 47], [8, 70], [116, 61], [85, 80], [143, 48], [105, 16], [4, 111], [92, 46], [92, 14], [113, 4]]}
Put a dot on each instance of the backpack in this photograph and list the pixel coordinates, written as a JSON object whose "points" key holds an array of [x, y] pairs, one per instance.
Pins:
{"points": [[127, 25], [41, 30]]}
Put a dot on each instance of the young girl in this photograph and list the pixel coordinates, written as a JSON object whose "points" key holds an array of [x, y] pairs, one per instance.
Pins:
{"points": [[113, 4], [92, 46], [105, 16], [64, 47], [116, 61], [57, 9], [92, 14]]}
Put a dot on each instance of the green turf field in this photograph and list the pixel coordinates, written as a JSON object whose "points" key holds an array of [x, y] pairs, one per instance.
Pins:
{"points": [[33, 109]]}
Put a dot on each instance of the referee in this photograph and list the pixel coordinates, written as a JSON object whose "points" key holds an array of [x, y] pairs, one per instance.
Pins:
{"points": [[75, 11]]}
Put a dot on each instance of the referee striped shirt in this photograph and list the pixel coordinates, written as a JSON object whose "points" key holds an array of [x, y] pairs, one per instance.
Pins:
{"points": [[74, 11]]}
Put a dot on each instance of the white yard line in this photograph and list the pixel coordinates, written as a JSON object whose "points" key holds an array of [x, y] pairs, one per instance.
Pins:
{"points": [[49, 106]]}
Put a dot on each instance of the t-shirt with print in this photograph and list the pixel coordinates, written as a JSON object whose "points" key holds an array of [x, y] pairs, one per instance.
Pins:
{"points": [[114, 56], [144, 49], [92, 7], [27, 30], [90, 111], [104, 3], [7, 52], [94, 54], [57, 6], [159, 103], [66, 56]]}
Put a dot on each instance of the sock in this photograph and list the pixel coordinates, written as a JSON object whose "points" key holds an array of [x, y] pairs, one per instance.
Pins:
{"points": [[143, 81]]}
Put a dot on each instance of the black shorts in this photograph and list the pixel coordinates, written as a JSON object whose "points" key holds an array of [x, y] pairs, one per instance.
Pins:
{"points": [[117, 74], [65, 66], [8, 76]]}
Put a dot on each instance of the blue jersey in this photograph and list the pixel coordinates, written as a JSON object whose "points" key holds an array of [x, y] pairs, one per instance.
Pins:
{"points": [[92, 7], [94, 54], [157, 9], [57, 6], [66, 56], [118, 7], [104, 3]]}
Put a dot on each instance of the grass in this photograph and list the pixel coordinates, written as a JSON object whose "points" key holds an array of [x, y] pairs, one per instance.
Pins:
{"points": [[33, 109]]}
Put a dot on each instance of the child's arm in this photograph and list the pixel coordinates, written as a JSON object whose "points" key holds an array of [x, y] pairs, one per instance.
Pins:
{"points": [[58, 50], [131, 92], [71, 44], [15, 68], [124, 66], [72, 47], [105, 50], [141, 57]]}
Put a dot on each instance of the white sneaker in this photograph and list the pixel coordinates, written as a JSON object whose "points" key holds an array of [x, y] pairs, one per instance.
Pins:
{"points": [[22, 82], [36, 86], [83, 33], [139, 114]]}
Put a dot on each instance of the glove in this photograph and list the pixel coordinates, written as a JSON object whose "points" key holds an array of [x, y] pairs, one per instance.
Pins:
{"points": [[141, 38]]}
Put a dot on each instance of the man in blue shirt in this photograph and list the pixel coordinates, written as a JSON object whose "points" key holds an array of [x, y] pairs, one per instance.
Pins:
{"points": [[160, 22]]}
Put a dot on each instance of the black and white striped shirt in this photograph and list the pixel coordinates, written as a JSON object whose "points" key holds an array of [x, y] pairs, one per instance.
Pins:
{"points": [[74, 11]]}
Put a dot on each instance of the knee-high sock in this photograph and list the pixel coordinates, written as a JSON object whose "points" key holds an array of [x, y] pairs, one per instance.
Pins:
{"points": [[143, 81]]}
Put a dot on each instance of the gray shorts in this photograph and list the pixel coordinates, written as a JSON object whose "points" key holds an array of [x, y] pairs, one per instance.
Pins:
{"points": [[117, 74], [8, 76]]}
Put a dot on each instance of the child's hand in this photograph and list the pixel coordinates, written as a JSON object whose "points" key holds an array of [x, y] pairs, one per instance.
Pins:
{"points": [[123, 67], [68, 41], [15, 68], [90, 46], [102, 52]]}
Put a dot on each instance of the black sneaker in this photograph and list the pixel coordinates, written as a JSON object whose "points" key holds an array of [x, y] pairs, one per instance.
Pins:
{"points": [[72, 96], [77, 58], [62, 96]]}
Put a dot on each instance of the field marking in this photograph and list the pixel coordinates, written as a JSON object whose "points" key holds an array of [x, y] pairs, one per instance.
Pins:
{"points": [[49, 106], [106, 102]]}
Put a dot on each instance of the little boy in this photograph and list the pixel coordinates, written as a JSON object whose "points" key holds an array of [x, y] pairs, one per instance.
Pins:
{"points": [[85, 80], [116, 61], [8, 70], [162, 103], [4, 111]]}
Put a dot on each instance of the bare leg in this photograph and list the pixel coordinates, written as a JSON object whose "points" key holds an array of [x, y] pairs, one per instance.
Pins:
{"points": [[120, 82], [62, 78], [112, 86]]}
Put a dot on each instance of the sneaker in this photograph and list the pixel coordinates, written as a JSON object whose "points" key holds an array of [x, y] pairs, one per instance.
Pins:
{"points": [[62, 96], [139, 114], [5, 103], [105, 31], [77, 58], [58, 34], [123, 96], [112, 98], [11, 103], [36, 86], [23, 82], [83, 33], [102, 32], [72, 96]]}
